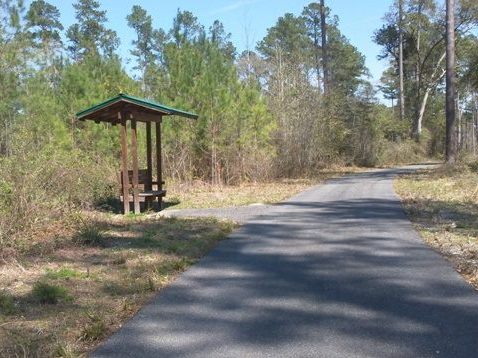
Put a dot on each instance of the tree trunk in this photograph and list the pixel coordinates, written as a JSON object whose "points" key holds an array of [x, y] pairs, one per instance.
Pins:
{"points": [[459, 138], [450, 139], [417, 125], [418, 132], [317, 53], [419, 108], [475, 123], [400, 59], [323, 30]]}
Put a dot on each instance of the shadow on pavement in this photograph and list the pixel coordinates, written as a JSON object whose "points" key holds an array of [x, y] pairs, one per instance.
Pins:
{"points": [[316, 278]]}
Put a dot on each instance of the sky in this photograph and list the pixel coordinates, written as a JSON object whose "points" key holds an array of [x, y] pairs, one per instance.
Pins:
{"points": [[246, 20]]}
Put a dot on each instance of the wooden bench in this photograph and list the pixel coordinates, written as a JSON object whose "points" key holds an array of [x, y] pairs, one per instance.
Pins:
{"points": [[147, 190]]}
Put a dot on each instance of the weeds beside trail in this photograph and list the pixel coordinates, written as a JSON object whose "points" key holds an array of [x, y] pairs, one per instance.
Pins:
{"points": [[443, 205], [70, 280], [62, 299], [202, 195]]}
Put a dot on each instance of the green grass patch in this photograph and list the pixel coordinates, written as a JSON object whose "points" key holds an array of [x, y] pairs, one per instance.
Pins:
{"points": [[63, 273], [46, 293], [7, 304], [169, 267], [89, 234]]}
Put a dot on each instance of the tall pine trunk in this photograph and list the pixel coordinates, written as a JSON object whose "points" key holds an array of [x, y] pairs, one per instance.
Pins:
{"points": [[400, 59], [323, 30], [451, 138], [419, 108]]}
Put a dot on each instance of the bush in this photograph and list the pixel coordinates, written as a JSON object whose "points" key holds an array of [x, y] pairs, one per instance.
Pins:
{"points": [[89, 235], [404, 152], [474, 166], [7, 304], [95, 329], [50, 294], [65, 351], [37, 189], [469, 160]]}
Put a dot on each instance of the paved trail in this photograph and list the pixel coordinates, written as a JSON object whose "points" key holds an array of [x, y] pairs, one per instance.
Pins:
{"points": [[337, 271]]}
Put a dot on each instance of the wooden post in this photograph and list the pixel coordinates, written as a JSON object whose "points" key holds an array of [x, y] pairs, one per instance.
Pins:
{"points": [[134, 154], [124, 163], [159, 169], [149, 161]]}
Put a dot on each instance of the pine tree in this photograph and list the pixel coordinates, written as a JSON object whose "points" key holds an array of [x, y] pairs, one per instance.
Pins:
{"points": [[148, 47], [451, 138], [89, 36]]}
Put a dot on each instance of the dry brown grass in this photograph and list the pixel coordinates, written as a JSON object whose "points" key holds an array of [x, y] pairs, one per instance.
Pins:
{"points": [[203, 195], [101, 268], [109, 269], [443, 204]]}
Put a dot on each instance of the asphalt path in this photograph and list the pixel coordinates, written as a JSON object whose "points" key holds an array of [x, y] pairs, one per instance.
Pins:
{"points": [[336, 271]]}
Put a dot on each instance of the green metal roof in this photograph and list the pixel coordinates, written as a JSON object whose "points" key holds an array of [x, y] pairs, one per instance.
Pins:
{"points": [[138, 101]]}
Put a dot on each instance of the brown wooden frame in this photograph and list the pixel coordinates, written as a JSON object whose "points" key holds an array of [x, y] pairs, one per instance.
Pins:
{"points": [[133, 182], [118, 110]]}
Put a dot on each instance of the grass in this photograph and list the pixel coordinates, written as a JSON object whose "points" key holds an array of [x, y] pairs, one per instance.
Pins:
{"points": [[63, 273], [44, 292], [443, 205], [78, 279], [202, 195], [95, 329], [62, 300], [7, 304], [88, 234]]}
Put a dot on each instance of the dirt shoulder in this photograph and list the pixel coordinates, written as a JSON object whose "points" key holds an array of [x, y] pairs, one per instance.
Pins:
{"points": [[200, 195], [62, 299], [443, 205], [70, 283]]}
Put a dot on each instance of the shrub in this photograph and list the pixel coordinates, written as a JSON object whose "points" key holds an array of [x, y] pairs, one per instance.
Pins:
{"points": [[468, 160], [40, 187], [7, 304], [151, 284], [89, 235], [50, 294], [404, 152], [95, 329], [474, 166], [64, 350]]}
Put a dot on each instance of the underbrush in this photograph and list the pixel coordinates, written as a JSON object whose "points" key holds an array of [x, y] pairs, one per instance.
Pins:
{"points": [[443, 204], [63, 302], [71, 276], [203, 195], [403, 152], [44, 292], [43, 188]]}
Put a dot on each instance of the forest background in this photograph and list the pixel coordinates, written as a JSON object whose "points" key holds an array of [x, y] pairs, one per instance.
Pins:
{"points": [[299, 102]]}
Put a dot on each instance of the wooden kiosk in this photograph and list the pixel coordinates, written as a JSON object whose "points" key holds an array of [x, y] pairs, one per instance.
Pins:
{"points": [[137, 185]]}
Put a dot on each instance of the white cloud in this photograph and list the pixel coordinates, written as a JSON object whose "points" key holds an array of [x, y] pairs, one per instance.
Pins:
{"points": [[235, 5]]}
